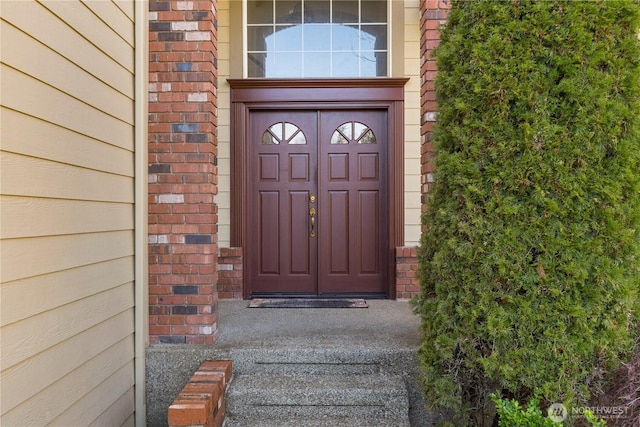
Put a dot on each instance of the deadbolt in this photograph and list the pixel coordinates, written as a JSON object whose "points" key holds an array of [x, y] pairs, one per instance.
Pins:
{"points": [[312, 198]]}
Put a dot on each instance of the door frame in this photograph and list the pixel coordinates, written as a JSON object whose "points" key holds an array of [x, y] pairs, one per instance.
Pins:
{"points": [[318, 94]]}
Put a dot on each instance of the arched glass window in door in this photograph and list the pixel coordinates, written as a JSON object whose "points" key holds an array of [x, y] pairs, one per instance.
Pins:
{"points": [[317, 38], [353, 132], [283, 133]]}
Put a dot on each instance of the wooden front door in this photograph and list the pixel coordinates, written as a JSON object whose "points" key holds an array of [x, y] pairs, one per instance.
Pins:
{"points": [[317, 210]]}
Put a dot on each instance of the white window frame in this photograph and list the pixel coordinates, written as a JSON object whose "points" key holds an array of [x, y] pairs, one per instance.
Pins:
{"points": [[245, 49]]}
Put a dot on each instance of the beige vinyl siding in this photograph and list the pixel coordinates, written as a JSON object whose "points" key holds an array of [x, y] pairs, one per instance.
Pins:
{"points": [[223, 198], [412, 167], [67, 213]]}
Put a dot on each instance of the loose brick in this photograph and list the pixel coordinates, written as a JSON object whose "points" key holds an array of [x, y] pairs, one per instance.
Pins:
{"points": [[201, 401], [218, 416], [223, 366], [213, 377], [190, 409]]}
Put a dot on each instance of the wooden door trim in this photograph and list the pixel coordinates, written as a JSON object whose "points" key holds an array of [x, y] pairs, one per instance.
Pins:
{"points": [[317, 90], [319, 94]]}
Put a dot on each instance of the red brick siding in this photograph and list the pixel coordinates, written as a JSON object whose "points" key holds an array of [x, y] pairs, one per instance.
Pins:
{"points": [[182, 172], [407, 285], [433, 13], [230, 273]]}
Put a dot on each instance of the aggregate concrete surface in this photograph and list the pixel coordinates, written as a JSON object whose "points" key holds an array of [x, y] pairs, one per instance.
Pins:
{"points": [[387, 329], [385, 324]]}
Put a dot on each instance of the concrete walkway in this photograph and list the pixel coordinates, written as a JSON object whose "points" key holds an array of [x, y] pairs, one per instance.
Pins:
{"points": [[384, 325], [386, 328]]}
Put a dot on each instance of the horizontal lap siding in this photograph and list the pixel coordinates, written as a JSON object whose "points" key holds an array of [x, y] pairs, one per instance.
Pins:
{"points": [[224, 122], [411, 64], [67, 213]]}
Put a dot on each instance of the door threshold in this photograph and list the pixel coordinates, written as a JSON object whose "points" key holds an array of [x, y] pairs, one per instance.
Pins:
{"points": [[308, 303], [335, 295]]}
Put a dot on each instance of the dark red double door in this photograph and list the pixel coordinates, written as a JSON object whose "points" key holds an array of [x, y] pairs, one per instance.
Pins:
{"points": [[317, 211]]}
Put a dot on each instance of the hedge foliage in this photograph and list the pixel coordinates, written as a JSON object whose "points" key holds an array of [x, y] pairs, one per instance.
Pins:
{"points": [[529, 266]]}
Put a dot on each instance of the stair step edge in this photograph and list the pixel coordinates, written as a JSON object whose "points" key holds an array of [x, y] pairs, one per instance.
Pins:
{"points": [[282, 413], [292, 381], [317, 422]]}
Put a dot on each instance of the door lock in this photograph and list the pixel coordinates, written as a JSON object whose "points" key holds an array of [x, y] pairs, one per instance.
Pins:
{"points": [[312, 198]]}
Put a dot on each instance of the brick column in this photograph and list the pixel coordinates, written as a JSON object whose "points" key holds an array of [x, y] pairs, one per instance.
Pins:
{"points": [[433, 13], [230, 273], [182, 172], [407, 284]]}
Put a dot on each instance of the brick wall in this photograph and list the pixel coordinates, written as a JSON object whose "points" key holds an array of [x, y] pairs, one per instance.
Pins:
{"points": [[407, 285], [433, 13], [182, 172], [230, 273]]}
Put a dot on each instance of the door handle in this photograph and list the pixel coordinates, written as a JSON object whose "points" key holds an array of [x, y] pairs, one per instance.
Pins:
{"points": [[312, 214]]}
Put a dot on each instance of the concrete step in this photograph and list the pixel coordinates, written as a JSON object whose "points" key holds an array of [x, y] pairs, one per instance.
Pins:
{"points": [[329, 399], [321, 361], [317, 422], [379, 341]]}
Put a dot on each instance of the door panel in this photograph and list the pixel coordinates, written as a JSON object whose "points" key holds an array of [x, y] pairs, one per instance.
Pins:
{"points": [[299, 234], [269, 232], [369, 232], [352, 208], [337, 231], [282, 258], [338, 167], [340, 157]]}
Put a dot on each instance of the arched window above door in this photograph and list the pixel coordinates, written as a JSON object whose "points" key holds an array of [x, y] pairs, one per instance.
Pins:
{"points": [[285, 133], [353, 132]]}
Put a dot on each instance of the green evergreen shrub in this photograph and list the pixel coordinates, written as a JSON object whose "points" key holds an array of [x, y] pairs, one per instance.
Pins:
{"points": [[529, 263], [512, 414]]}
